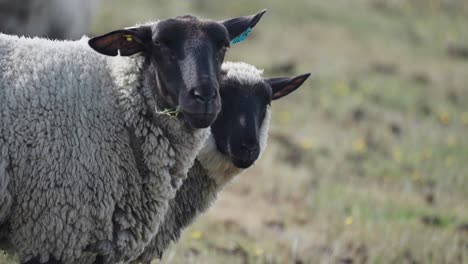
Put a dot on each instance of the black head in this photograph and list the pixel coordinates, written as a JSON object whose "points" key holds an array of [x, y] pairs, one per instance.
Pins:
{"points": [[242, 122], [185, 55]]}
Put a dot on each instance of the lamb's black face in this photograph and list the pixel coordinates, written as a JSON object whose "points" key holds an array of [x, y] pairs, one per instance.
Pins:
{"points": [[186, 55], [238, 127], [236, 130]]}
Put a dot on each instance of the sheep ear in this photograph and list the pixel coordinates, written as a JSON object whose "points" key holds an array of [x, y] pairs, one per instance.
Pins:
{"points": [[125, 42], [240, 27], [285, 85]]}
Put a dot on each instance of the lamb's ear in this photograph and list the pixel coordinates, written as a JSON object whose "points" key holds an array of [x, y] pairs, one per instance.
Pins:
{"points": [[240, 27], [285, 85], [124, 41]]}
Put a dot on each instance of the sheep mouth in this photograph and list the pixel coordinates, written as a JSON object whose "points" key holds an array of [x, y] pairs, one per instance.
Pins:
{"points": [[199, 120], [242, 163]]}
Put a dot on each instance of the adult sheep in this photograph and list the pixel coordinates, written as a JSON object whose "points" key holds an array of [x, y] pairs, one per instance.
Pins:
{"points": [[238, 138], [56, 19], [87, 161]]}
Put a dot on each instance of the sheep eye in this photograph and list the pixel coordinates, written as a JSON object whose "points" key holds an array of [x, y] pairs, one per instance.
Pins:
{"points": [[166, 48], [166, 43], [172, 55]]}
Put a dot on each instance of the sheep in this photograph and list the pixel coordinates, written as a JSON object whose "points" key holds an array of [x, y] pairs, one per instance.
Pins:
{"points": [[238, 138], [57, 19], [88, 158]]}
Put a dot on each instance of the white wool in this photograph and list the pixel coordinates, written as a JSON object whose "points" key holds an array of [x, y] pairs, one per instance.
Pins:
{"points": [[243, 73], [85, 172]]}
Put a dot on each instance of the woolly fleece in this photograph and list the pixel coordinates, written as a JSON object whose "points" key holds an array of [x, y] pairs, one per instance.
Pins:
{"points": [[87, 165]]}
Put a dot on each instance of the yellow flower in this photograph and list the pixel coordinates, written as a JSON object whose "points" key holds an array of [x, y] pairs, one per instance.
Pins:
{"points": [[449, 161], [348, 220], [427, 153], [196, 235], [397, 155], [258, 252], [360, 145], [464, 118], [307, 144], [416, 175], [451, 141], [342, 89], [444, 117]]}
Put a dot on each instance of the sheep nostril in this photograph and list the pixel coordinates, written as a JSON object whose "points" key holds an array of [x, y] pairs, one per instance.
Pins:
{"points": [[250, 148], [197, 95], [204, 98]]}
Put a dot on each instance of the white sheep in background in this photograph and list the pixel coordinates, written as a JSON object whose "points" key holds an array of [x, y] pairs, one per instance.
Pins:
{"points": [[88, 162], [238, 138], [55, 19]]}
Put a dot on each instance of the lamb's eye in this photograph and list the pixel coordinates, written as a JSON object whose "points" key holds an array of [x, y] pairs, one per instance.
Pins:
{"points": [[169, 43]]}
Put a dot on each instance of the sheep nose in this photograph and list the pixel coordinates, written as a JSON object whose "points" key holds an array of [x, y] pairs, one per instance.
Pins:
{"points": [[250, 147], [204, 97]]}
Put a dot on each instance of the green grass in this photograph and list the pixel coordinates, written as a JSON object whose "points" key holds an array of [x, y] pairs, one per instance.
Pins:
{"points": [[377, 137]]}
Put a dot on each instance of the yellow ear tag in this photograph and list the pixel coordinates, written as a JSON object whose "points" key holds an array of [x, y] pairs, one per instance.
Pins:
{"points": [[128, 37]]}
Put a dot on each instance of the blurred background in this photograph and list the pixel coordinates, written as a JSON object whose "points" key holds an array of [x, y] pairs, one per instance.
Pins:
{"points": [[367, 162]]}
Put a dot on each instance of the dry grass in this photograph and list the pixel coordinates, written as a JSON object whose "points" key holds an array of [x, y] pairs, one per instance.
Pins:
{"points": [[367, 162]]}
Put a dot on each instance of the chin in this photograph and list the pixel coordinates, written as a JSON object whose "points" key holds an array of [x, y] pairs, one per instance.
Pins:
{"points": [[199, 120], [241, 163]]}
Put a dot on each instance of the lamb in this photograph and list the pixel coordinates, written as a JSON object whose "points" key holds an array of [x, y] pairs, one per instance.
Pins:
{"points": [[238, 138], [88, 159], [56, 19]]}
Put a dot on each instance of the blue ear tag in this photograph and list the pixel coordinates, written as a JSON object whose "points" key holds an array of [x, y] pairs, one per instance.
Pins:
{"points": [[241, 37]]}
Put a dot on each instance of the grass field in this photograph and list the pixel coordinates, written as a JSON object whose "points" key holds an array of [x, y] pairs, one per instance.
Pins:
{"points": [[368, 161]]}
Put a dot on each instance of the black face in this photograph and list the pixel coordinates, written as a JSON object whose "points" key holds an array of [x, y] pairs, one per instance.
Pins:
{"points": [[238, 125], [186, 55], [236, 130], [187, 59]]}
